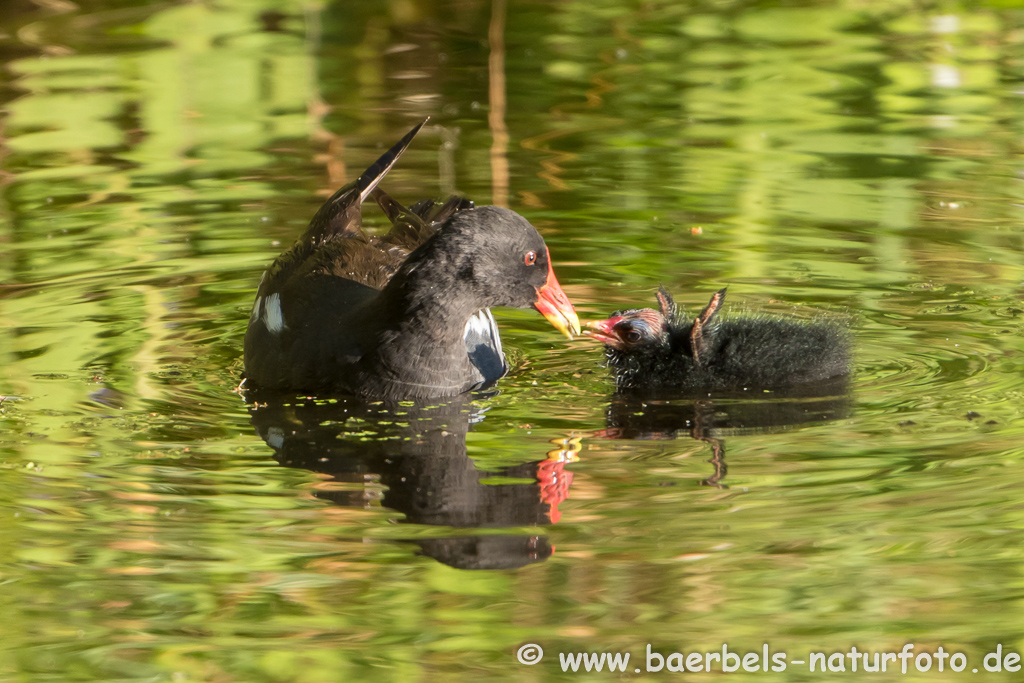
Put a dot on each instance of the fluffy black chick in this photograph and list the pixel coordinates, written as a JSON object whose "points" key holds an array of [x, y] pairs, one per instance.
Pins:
{"points": [[666, 351]]}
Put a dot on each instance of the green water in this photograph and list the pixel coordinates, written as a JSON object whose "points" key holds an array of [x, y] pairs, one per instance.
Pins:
{"points": [[859, 158]]}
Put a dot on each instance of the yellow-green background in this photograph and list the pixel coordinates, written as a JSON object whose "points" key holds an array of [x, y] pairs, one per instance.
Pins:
{"points": [[862, 157]]}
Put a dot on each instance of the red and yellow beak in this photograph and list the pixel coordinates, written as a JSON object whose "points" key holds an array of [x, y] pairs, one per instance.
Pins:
{"points": [[604, 331], [553, 304]]}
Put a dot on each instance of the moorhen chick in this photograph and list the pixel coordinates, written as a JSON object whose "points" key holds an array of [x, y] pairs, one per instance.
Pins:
{"points": [[404, 315], [664, 350]]}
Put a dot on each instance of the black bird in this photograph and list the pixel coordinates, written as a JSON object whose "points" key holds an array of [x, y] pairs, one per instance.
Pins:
{"points": [[404, 315], [417, 451], [665, 351]]}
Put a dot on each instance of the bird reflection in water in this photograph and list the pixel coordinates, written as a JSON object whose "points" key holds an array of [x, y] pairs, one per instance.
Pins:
{"points": [[418, 452], [711, 419]]}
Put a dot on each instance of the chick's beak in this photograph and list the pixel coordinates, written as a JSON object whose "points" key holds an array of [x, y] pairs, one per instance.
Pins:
{"points": [[604, 331], [554, 305]]}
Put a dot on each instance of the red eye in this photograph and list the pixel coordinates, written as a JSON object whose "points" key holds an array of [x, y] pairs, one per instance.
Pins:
{"points": [[530, 258]]}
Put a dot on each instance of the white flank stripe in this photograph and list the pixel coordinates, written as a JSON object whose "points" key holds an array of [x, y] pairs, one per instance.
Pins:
{"points": [[272, 316], [256, 309]]}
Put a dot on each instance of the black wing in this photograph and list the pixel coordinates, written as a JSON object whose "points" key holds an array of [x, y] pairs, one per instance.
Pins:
{"points": [[341, 213]]}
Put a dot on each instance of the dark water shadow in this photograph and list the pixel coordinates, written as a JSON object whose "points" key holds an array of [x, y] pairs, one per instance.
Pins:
{"points": [[418, 452], [712, 418]]}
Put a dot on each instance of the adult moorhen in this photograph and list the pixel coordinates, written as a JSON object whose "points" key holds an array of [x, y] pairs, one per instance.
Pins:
{"points": [[417, 451], [663, 350], [404, 315]]}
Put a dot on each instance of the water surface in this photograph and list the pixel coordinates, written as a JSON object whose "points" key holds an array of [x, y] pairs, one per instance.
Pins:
{"points": [[853, 159]]}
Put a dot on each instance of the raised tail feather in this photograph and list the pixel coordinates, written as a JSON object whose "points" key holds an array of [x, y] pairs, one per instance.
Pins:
{"points": [[341, 213], [373, 175]]}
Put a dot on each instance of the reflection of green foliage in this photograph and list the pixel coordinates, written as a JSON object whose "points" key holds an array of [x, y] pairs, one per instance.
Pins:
{"points": [[856, 154]]}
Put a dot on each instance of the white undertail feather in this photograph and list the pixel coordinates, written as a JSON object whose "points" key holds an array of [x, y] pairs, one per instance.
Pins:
{"points": [[483, 344], [481, 325]]}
